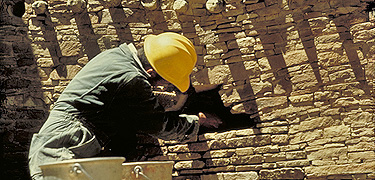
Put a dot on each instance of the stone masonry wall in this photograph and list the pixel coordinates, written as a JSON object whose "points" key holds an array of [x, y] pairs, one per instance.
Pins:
{"points": [[304, 69], [23, 106]]}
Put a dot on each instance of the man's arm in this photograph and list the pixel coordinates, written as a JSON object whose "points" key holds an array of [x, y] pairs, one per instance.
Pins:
{"points": [[150, 117]]}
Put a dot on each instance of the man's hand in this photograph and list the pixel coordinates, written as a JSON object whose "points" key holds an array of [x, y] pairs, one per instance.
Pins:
{"points": [[209, 120]]}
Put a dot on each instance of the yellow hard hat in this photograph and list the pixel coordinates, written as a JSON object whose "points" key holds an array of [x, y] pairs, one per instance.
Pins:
{"points": [[172, 56]]}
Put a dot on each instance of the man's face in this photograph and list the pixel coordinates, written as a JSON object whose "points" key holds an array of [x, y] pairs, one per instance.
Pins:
{"points": [[157, 80]]}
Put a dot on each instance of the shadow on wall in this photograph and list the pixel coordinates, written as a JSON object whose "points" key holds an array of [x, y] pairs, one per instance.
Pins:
{"points": [[23, 105]]}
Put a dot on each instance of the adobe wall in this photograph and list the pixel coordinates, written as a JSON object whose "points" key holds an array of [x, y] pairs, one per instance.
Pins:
{"points": [[303, 69]]}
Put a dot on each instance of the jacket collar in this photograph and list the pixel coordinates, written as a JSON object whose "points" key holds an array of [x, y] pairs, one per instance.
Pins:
{"points": [[133, 50]]}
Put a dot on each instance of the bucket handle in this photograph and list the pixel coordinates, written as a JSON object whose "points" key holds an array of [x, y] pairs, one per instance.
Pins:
{"points": [[139, 171], [78, 169]]}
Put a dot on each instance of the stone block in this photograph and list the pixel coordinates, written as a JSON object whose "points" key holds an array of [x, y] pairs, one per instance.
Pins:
{"points": [[252, 68], [305, 136], [282, 139], [360, 132], [179, 148], [270, 102], [258, 140], [316, 171], [283, 173], [314, 123], [294, 163], [295, 57], [359, 157], [220, 169], [238, 176], [233, 9], [256, 6], [333, 131], [198, 146], [251, 159], [329, 59], [326, 95], [266, 149], [220, 74], [328, 153], [244, 151], [274, 157], [345, 102], [219, 153], [296, 155], [342, 76], [189, 165], [362, 146], [360, 118], [218, 162], [70, 48], [216, 48], [302, 99], [274, 130]]}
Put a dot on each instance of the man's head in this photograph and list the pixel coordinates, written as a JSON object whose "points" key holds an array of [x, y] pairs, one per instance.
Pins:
{"points": [[172, 56]]}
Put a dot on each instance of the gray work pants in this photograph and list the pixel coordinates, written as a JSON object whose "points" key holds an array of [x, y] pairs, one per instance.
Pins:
{"points": [[61, 137]]}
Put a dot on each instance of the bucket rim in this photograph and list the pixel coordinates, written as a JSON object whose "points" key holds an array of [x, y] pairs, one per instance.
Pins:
{"points": [[148, 162], [82, 160]]}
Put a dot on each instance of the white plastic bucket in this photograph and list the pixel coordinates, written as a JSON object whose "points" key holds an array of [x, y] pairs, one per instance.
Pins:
{"points": [[100, 168], [154, 170]]}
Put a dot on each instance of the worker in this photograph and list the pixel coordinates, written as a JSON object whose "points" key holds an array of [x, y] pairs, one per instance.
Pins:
{"points": [[111, 99]]}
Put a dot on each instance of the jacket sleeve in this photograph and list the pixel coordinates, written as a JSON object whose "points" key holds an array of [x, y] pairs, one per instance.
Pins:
{"points": [[149, 115]]}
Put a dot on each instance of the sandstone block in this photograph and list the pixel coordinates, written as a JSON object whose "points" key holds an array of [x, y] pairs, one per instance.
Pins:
{"points": [[244, 151], [220, 74], [179, 148], [333, 131], [295, 57], [233, 9], [219, 153], [316, 171], [270, 102], [258, 140], [360, 118], [216, 48], [189, 165], [248, 167], [274, 157], [252, 159], [314, 123], [326, 95], [266, 149], [283, 173], [305, 136], [220, 169], [246, 42], [218, 162], [359, 157], [345, 102], [328, 154], [238, 176], [342, 76], [295, 163], [45, 62], [362, 146], [70, 48], [306, 98], [296, 155], [280, 139], [255, 6], [252, 68], [274, 130]]}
